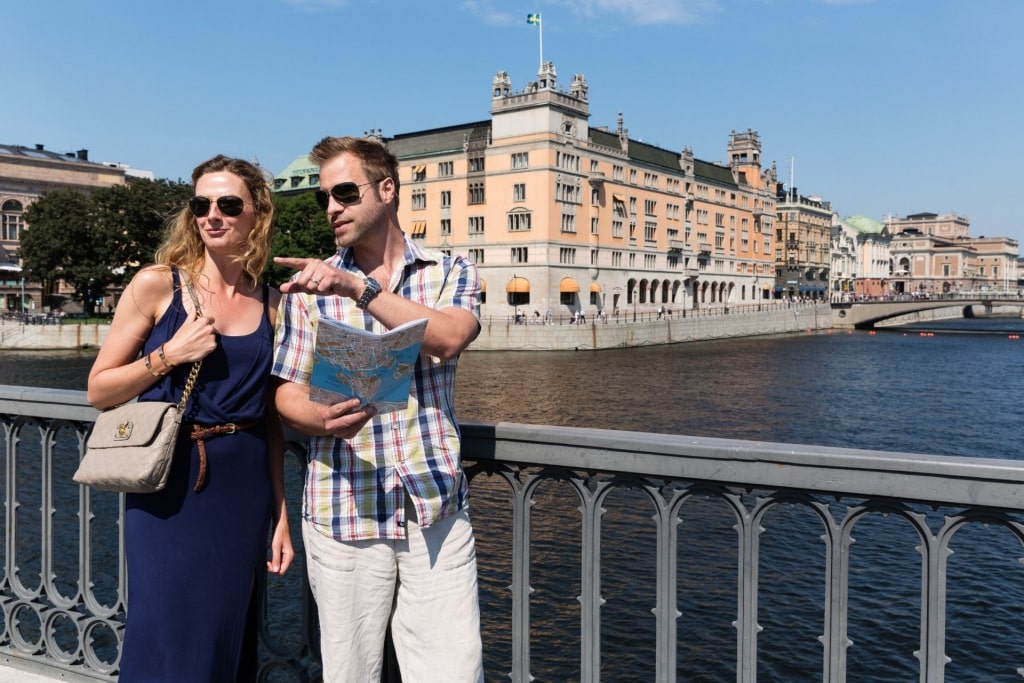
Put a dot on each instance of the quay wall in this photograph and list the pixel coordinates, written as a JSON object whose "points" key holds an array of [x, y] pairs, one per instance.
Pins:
{"points": [[500, 334]]}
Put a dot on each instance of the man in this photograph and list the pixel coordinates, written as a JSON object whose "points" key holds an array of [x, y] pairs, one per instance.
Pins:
{"points": [[385, 523]]}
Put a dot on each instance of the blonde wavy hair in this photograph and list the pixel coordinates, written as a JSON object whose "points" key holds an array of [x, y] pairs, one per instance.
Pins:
{"points": [[183, 246]]}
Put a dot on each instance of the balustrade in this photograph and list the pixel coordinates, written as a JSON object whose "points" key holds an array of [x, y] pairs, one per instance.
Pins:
{"points": [[598, 549]]}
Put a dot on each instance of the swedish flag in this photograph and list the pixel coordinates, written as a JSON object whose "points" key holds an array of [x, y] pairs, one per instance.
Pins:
{"points": [[532, 18]]}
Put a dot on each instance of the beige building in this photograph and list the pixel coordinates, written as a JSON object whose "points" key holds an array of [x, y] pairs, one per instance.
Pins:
{"points": [[566, 217], [934, 254], [874, 261], [25, 174], [803, 245]]}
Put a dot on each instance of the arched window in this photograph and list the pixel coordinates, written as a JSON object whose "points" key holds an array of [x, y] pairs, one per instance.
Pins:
{"points": [[11, 223]]}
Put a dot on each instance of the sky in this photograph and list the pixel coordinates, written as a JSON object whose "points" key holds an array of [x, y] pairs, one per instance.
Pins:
{"points": [[877, 106]]}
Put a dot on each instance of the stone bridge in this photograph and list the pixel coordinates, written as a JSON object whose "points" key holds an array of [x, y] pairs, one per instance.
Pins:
{"points": [[866, 314]]}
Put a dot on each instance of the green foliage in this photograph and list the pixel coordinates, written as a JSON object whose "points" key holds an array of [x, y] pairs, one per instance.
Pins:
{"points": [[99, 240], [300, 229]]}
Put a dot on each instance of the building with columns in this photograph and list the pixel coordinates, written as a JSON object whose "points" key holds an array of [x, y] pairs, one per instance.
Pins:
{"points": [[563, 216], [933, 254]]}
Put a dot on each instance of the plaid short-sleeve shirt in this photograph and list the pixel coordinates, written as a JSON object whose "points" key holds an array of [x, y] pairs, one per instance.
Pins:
{"points": [[356, 488]]}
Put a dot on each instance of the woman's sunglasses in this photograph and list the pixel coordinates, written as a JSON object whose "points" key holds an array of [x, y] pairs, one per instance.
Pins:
{"points": [[229, 205], [343, 193]]}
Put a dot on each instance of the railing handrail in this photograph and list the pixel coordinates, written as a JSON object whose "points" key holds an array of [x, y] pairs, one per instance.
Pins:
{"points": [[668, 470]]}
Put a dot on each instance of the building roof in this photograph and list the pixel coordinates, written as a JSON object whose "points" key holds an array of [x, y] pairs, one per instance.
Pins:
{"points": [[864, 225], [298, 176], [650, 155], [42, 154], [450, 139]]}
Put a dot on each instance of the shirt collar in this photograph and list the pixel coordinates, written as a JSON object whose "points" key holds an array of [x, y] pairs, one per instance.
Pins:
{"points": [[414, 253]]}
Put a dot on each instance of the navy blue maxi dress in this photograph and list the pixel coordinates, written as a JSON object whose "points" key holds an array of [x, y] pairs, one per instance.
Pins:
{"points": [[194, 559]]}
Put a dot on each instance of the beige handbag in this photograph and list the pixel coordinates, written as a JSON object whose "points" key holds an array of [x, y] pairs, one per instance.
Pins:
{"points": [[131, 446]]}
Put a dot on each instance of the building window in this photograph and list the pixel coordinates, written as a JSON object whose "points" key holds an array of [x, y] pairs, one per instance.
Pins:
{"points": [[419, 230], [617, 172], [593, 225], [519, 192], [476, 255], [617, 259], [567, 256], [476, 193], [632, 176], [446, 169], [521, 160], [650, 207], [595, 197], [619, 206], [12, 224], [650, 231], [568, 222], [519, 221], [419, 200], [446, 199], [720, 220], [419, 173], [568, 162], [446, 227], [650, 261], [476, 164], [476, 225], [616, 228], [593, 257], [520, 254]]}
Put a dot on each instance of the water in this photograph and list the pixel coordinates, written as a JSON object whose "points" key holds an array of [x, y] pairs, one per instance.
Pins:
{"points": [[957, 392]]}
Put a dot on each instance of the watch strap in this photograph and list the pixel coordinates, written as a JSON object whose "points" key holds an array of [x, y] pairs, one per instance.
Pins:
{"points": [[372, 289]]}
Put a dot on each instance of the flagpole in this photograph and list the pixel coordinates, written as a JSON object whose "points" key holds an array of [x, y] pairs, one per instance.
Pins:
{"points": [[540, 37]]}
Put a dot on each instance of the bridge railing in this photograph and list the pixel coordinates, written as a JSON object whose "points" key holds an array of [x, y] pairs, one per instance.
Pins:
{"points": [[603, 555]]}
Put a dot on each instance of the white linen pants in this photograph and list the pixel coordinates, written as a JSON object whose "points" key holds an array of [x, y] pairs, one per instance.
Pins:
{"points": [[426, 585]]}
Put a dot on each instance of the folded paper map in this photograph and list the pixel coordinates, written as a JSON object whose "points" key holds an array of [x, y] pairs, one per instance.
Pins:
{"points": [[349, 362]]}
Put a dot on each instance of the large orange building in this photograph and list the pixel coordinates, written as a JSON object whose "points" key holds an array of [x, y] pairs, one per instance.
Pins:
{"points": [[563, 216]]}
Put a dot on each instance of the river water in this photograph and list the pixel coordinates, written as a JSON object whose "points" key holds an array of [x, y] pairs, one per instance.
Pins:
{"points": [[949, 388]]}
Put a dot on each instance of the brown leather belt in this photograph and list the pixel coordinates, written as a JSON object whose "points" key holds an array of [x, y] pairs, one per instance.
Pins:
{"points": [[200, 433]]}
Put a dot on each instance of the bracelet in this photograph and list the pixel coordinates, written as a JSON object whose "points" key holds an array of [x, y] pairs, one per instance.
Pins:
{"points": [[149, 366], [163, 359]]}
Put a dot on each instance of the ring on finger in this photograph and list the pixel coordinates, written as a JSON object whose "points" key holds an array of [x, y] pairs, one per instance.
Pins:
{"points": [[314, 280]]}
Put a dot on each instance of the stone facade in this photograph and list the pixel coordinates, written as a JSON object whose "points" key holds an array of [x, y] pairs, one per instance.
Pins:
{"points": [[26, 173]]}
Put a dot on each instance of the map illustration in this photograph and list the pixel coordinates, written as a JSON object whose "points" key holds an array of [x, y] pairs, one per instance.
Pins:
{"points": [[375, 368]]}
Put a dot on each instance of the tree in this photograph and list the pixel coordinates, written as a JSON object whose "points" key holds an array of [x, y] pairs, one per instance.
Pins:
{"points": [[57, 242], [134, 218], [94, 242], [300, 229]]}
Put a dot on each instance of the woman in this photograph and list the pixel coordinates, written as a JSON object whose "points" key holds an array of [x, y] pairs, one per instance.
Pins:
{"points": [[195, 550]]}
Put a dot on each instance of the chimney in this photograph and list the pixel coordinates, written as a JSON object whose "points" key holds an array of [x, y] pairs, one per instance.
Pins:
{"points": [[82, 155], [39, 147]]}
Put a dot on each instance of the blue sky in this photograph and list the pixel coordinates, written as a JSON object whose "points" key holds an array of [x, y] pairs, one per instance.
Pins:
{"points": [[878, 106]]}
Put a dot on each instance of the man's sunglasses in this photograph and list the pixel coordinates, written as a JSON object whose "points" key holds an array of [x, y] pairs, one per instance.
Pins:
{"points": [[343, 193], [229, 205]]}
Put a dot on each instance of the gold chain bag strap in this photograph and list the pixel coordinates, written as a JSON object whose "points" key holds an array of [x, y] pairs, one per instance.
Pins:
{"points": [[131, 446]]}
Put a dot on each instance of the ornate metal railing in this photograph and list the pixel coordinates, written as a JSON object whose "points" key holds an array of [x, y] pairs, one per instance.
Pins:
{"points": [[603, 556]]}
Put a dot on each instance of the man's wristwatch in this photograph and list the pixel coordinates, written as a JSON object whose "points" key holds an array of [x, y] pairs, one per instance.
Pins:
{"points": [[372, 289]]}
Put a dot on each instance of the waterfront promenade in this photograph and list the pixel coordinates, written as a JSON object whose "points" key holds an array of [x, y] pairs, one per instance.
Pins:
{"points": [[643, 328]]}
